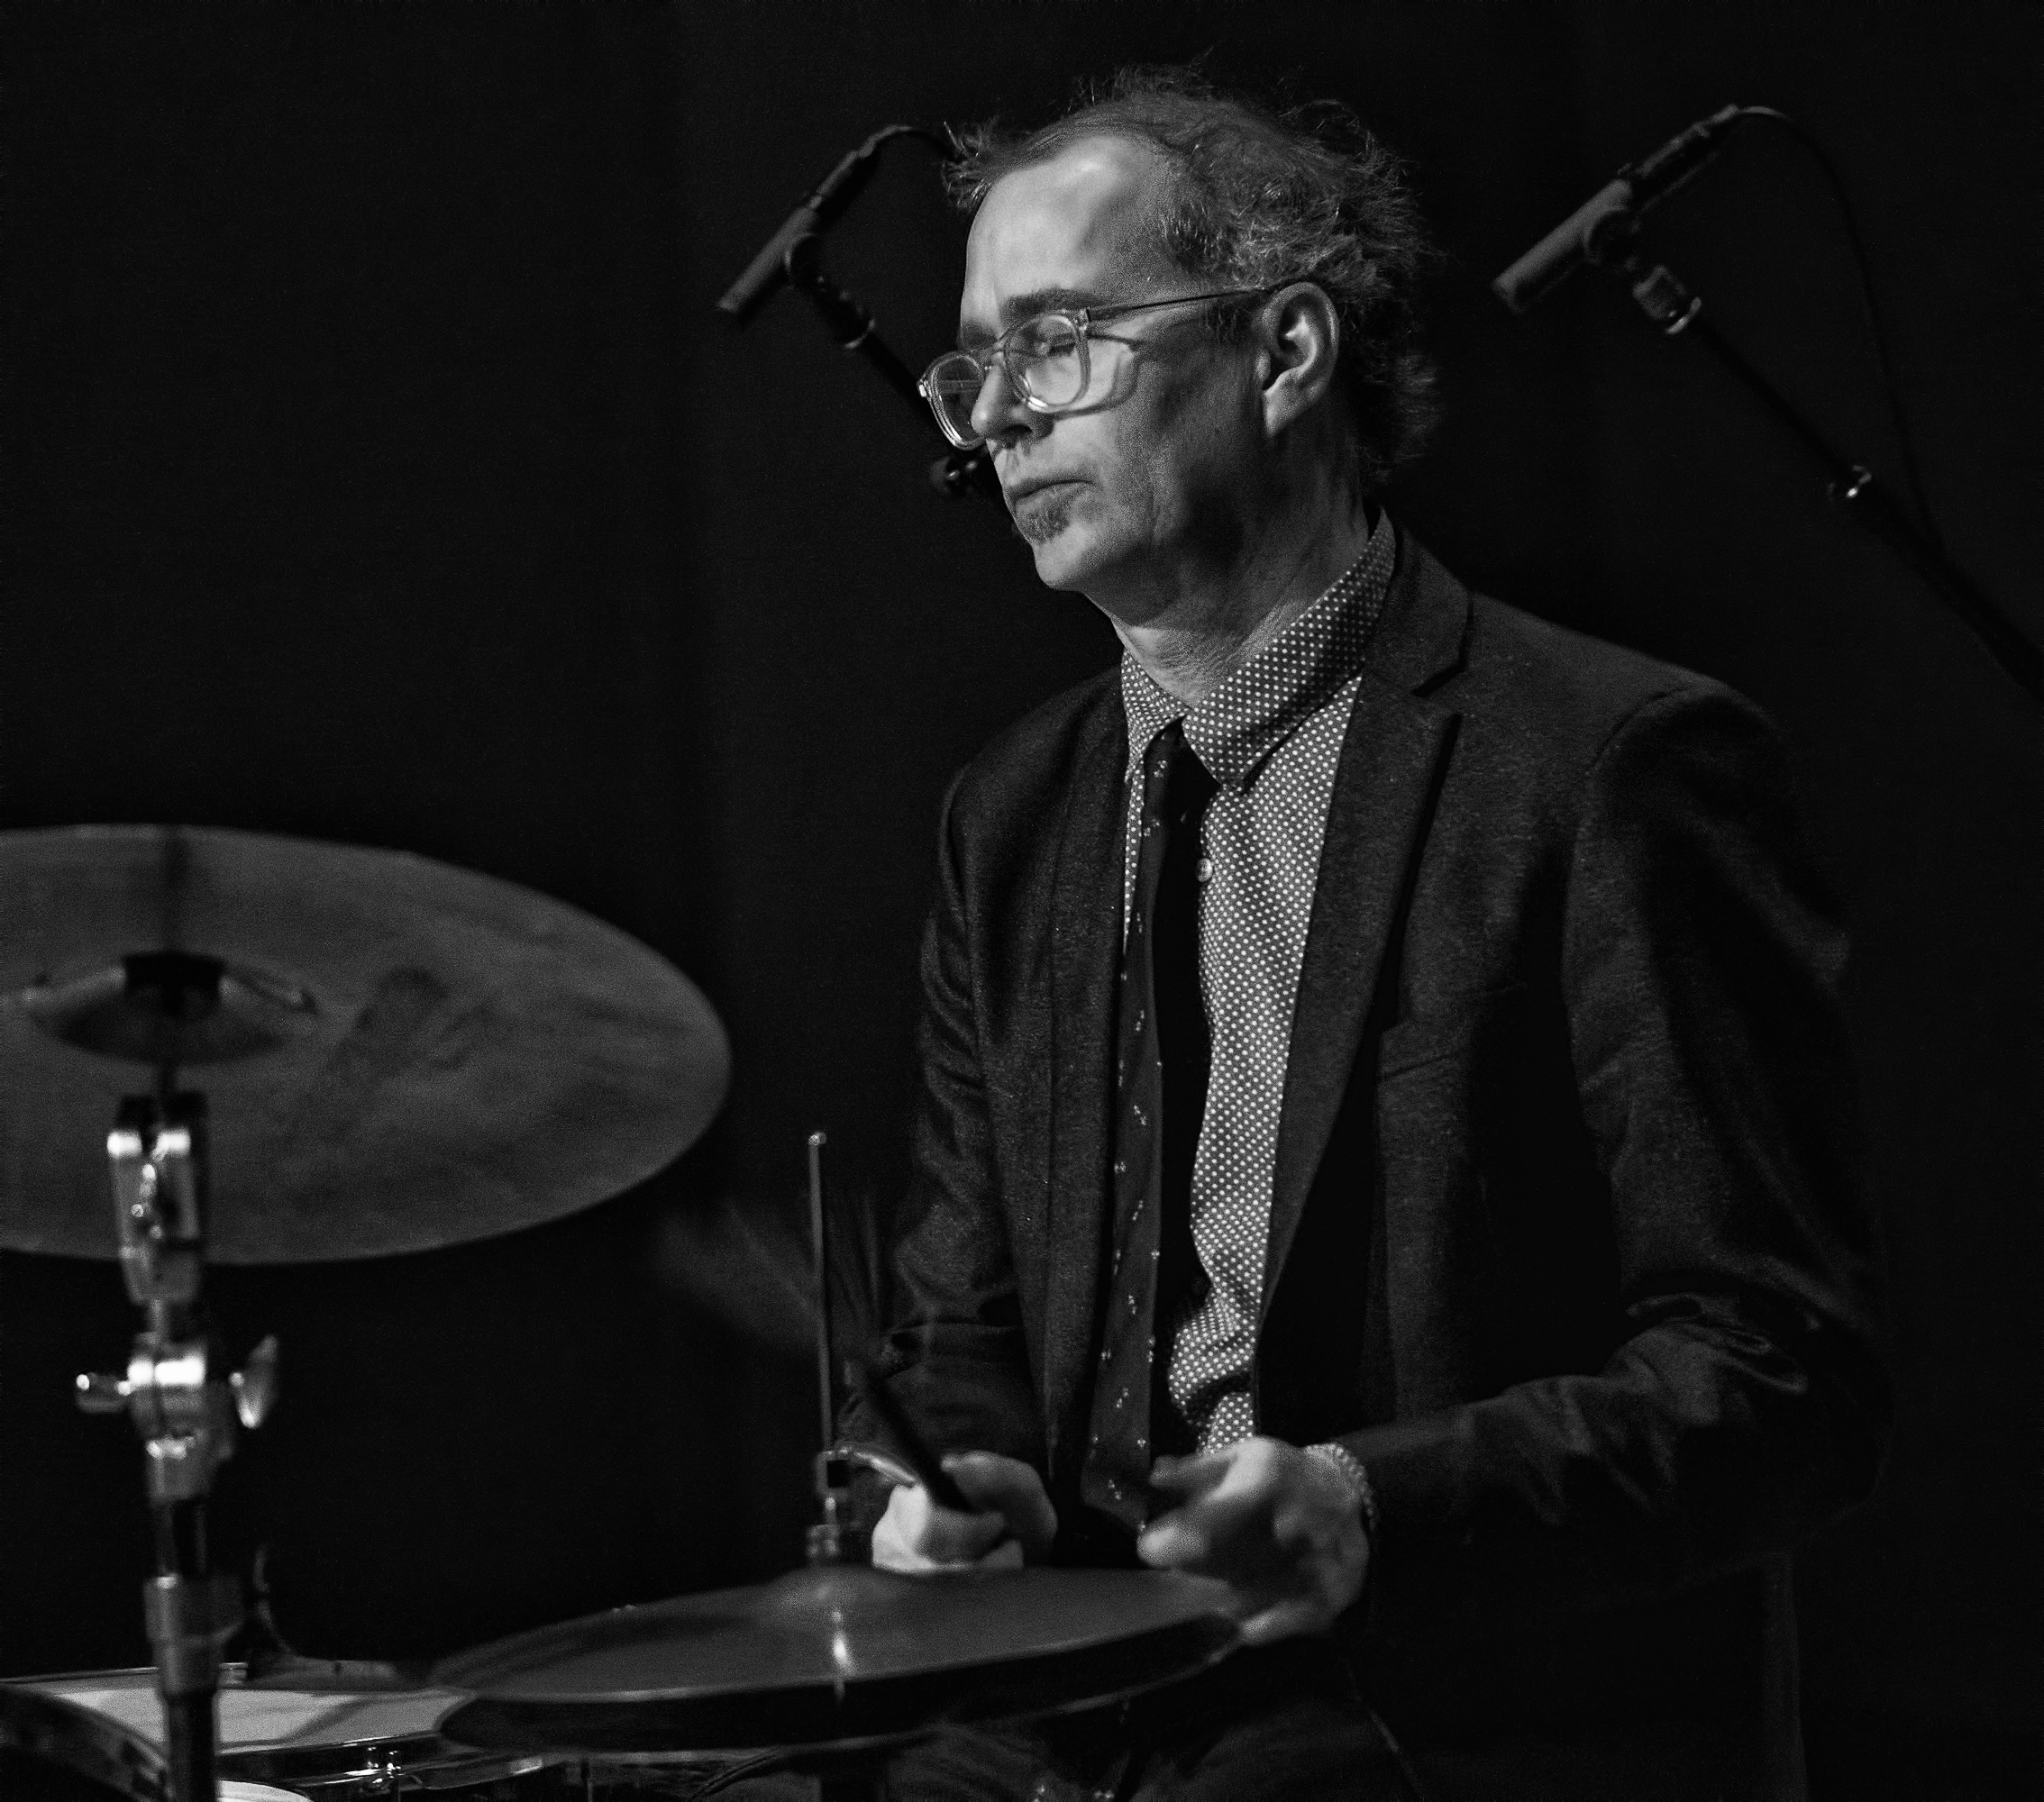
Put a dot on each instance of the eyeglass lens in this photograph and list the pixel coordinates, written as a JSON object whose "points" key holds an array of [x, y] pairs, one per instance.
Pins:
{"points": [[952, 387], [1043, 360]]}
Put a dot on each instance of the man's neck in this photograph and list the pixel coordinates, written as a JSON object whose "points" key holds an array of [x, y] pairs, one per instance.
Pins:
{"points": [[1215, 622]]}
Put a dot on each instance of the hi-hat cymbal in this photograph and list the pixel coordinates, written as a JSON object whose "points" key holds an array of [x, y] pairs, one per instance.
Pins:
{"points": [[838, 1655], [397, 1054]]}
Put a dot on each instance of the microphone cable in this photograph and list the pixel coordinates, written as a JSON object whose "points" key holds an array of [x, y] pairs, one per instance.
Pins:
{"points": [[1870, 308]]}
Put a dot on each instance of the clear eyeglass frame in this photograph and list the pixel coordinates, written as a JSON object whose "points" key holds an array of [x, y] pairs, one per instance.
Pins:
{"points": [[1043, 359]]}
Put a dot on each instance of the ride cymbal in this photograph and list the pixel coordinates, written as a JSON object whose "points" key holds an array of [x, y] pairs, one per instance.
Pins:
{"points": [[396, 1055], [837, 1655]]}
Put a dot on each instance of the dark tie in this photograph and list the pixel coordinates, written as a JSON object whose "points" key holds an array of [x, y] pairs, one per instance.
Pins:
{"points": [[1161, 1055]]}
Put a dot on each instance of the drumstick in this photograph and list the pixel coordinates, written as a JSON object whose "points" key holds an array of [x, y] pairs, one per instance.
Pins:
{"points": [[931, 1474]]}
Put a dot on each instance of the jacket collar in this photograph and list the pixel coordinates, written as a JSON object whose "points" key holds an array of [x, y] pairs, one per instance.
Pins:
{"points": [[1393, 761]]}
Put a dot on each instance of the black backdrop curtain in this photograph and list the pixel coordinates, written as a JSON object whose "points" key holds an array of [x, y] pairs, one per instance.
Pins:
{"points": [[376, 470]]}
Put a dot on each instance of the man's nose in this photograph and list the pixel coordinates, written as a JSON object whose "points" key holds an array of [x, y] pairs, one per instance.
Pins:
{"points": [[997, 416]]}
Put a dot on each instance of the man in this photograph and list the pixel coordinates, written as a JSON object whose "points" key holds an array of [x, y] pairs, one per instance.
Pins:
{"points": [[1380, 1054]]}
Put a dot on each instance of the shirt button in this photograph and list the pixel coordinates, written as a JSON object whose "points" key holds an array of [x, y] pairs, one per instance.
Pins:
{"points": [[1204, 869]]}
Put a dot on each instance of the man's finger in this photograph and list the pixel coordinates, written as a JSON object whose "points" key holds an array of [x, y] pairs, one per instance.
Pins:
{"points": [[1173, 1542], [1204, 1536], [1193, 1476], [1283, 1620], [951, 1538], [1010, 1488]]}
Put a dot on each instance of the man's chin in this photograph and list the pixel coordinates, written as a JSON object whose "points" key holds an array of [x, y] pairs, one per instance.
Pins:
{"points": [[1060, 563], [1058, 545]]}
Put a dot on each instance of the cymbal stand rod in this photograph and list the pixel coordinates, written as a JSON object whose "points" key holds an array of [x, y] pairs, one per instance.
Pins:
{"points": [[819, 1264], [830, 1542], [184, 1407], [189, 1620]]}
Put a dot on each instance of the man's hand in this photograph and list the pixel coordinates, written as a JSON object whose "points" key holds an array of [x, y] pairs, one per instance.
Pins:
{"points": [[1280, 1526], [1015, 1519]]}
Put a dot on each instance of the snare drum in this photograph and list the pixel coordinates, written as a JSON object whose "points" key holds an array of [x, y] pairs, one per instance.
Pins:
{"points": [[275, 1746], [54, 1751]]}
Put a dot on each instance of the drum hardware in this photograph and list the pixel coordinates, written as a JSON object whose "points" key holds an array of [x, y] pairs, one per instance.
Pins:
{"points": [[184, 1407], [833, 1668], [399, 1055], [91, 1751], [383, 1033], [836, 1667], [299, 1744], [831, 1541], [466, 1057]]}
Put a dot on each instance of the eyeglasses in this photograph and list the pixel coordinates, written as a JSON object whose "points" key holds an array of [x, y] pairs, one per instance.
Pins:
{"points": [[1043, 357]]}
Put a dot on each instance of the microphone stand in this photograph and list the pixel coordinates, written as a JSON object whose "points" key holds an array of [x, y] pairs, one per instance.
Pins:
{"points": [[848, 323], [794, 255], [1677, 311], [955, 476]]}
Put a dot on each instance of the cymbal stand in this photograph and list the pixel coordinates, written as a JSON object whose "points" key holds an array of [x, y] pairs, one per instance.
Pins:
{"points": [[855, 1776], [831, 1541], [834, 1540], [184, 1407]]}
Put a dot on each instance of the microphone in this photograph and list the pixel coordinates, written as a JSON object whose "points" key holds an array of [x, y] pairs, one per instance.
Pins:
{"points": [[1580, 238], [835, 192]]}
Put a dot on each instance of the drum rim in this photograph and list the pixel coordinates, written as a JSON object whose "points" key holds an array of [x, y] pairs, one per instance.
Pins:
{"points": [[116, 1755], [408, 1758], [233, 1682], [281, 1763]]}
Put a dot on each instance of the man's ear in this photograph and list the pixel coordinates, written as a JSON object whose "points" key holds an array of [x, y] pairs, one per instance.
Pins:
{"points": [[1298, 335]]}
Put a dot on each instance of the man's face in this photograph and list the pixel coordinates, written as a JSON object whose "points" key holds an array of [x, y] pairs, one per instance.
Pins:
{"points": [[1119, 498]]}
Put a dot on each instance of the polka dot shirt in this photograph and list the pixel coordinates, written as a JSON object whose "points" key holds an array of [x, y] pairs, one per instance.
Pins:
{"points": [[1271, 734]]}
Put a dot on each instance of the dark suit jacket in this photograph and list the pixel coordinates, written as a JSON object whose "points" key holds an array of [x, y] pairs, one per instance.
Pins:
{"points": [[1564, 1240]]}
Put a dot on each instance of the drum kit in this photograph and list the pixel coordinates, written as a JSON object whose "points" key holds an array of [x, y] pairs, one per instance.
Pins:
{"points": [[293, 1052]]}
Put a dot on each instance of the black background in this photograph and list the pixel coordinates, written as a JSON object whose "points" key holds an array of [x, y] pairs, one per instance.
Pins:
{"points": [[378, 471]]}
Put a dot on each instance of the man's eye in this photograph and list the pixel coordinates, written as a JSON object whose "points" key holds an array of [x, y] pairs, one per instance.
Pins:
{"points": [[1038, 341], [1053, 350]]}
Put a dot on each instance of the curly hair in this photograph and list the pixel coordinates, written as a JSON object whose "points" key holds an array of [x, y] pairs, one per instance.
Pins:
{"points": [[1258, 197]]}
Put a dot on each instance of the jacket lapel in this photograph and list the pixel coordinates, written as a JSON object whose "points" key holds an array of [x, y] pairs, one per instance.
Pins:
{"points": [[1391, 761], [1085, 954]]}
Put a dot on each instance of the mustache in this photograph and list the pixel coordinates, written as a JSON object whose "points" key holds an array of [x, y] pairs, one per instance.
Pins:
{"points": [[1049, 516]]}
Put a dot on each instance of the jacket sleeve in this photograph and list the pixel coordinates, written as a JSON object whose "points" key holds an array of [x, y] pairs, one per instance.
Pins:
{"points": [[1743, 1404], [955, 1357]]}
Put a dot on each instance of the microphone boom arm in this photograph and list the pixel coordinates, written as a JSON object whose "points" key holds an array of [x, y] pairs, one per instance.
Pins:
{"points": [[957, 473], [849, 322], [793, 256], [1671, 305]]}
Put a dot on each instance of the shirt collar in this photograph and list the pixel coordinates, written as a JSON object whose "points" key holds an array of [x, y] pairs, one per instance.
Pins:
{"points": [[1242, 722]]}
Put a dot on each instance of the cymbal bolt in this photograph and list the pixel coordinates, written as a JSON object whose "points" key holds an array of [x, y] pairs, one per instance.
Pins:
{"points": [[103, 1394], [255, 1386]]}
